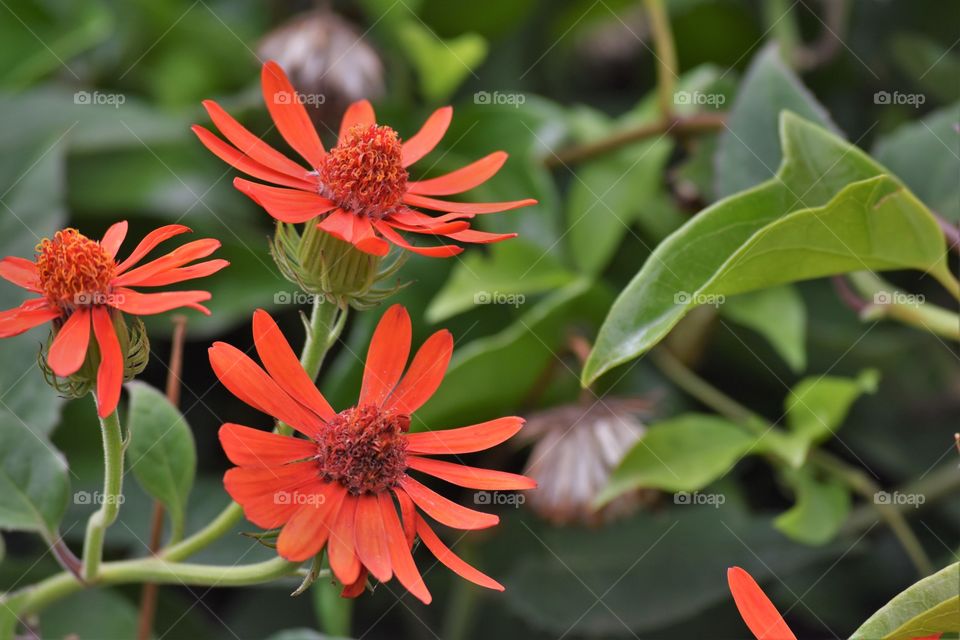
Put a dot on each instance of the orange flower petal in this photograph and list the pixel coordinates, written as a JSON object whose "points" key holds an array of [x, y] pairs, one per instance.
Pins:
{"points": [[358, 113], [400, 558], [251, 145], [371, 538], [451, 560], [113, 238], [20, 272], [150, 242], [69, 348], [430, 134], [146, 304], [465, 207], [110, 371], [471, 477], [28, 315], [306, 532], [755, 607], [424, 375], [463, 179], [257, 448], [342, 547], [286, 205], [387, 355], [284, 366], [290, 115], [445, 511], [244, 163], [464, 439]]}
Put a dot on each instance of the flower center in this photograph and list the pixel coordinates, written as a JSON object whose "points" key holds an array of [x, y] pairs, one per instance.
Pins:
{"points": [[73, 269], [364, 449], [363, 173]]}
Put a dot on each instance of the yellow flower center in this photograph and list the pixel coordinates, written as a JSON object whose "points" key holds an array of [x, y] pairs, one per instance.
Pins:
{"points": [[364, 173], [73, 269]]}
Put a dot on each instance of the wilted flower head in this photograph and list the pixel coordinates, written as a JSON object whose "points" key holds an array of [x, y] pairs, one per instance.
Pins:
{"points": [[576, 448], [82, 287], [327, 59]]}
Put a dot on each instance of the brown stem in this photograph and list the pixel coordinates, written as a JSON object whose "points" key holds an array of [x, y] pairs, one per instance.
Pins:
{"points": [[680, 126], [148, 596], [67, 559]]}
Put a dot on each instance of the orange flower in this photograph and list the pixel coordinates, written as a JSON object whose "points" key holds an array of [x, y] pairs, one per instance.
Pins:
{"points": [[361, 186], [337, 487], [79, 281], [763, 619]]}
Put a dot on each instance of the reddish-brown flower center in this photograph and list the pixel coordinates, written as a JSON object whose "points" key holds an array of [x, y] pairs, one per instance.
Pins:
{"points": [[364, 449], [73, 269], [364, 173]]}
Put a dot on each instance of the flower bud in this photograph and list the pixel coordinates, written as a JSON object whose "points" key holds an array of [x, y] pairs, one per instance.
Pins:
{"points": [[322, 264], [134, 344]]}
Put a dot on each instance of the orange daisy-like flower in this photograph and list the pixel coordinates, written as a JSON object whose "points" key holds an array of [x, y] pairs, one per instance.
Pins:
{"points": [[361, 186], [761, 616], [342, 485], [80, 280]]}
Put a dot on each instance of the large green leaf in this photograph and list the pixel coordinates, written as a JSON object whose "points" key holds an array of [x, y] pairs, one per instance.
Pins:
{"points": [[924, 155], [681, 454], [90, 615], [819, 512], [748, 151], [162, 454], [34, 486], [510, 272], [928, 607], [830, 210], [779, 315]]}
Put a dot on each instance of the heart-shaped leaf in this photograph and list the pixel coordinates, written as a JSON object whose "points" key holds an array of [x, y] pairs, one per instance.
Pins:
{"points": [[34, 486], [162, 454]]}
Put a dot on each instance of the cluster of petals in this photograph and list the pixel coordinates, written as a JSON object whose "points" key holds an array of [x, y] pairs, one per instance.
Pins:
{"points": [[79, 282], [346, 484], [359, 189]]}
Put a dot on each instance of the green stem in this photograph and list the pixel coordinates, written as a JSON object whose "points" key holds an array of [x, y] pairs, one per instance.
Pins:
{"points": [[324, 328], [666, 55], [110, 499], [855, 479], [887, 301], [156, 570]]}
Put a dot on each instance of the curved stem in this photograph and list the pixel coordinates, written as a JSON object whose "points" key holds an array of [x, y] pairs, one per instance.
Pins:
{"points": [[852, 477], [216, 529], [666, 55], [679, 126], [35, 598], [887, 301], [110, 499]]}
